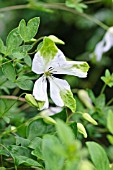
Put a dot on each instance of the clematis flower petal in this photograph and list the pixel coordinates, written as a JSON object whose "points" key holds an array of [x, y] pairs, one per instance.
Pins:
{"points": [[75, 68], [61, 94], [44, 56], [40, 91], [59, 65], [99, 50], [55, 87], [105, 44], [108, 40], [38, 65]]}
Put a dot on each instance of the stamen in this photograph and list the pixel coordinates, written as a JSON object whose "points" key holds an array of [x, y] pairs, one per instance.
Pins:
{"points": [[50, 68], [54, 71]]}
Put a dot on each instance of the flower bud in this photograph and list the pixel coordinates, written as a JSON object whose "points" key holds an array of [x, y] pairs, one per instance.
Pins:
{"points": [[55, 39], [87, 117], [49, 120], [13, 128], [82, 130], [33, 40], [31, 100], [83, 95]]}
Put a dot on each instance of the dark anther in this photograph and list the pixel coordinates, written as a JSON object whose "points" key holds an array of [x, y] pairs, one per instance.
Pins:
{"points": [[50, 68]]}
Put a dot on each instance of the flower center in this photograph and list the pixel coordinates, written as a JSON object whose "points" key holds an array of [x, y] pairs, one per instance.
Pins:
{"points": [[50, 72]]}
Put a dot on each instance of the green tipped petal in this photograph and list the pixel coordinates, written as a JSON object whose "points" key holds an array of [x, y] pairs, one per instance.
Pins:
{"points": [[68, 100], [56, 40], [83, 66], [48, 49]]}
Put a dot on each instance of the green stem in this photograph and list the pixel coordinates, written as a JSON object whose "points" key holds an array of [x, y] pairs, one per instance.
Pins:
{"points": [[12, 98], [25, 123], [63, 7], [39, 39], [69, 117], [109, 102], [92, 1], [66, 115], [7, 62], [15, 167], [10, 8], [12, 105], [58, 6], [103, 89]]}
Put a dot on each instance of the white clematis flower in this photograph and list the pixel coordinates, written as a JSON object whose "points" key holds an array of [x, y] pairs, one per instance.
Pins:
{"points": [[105, 44], [50, 60]]}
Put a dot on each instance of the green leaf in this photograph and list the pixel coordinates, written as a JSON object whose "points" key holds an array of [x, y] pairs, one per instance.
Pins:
{"points": [[21, 52], [17, 54], [19, 150], [25, 48], [24, 84], [110, 121], [100, 101], [98, 156], [21, 155], [28, 31], [38, 128], [36, 144], [52, 153], [91, 95], [77, 4], [26, 161], [65, 133], [22, 141], [28, 60], [2, 107], [9, 84], [68, 100], [2, 47], [6, 119], [9, 71], [110, 138], [108, 78], [13, 40], [17, 153]]}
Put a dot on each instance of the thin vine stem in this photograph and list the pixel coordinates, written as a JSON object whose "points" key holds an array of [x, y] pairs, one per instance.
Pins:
{"points": [[92, 19], [12, 105], [10, 8], [109, 102], [103, 89], [71, 115], [16, 128], [12, 98], [58, 6], [92, 1]]}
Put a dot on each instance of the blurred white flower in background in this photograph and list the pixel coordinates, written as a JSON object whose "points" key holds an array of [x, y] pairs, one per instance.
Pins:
{"points": [[105, 44]]}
